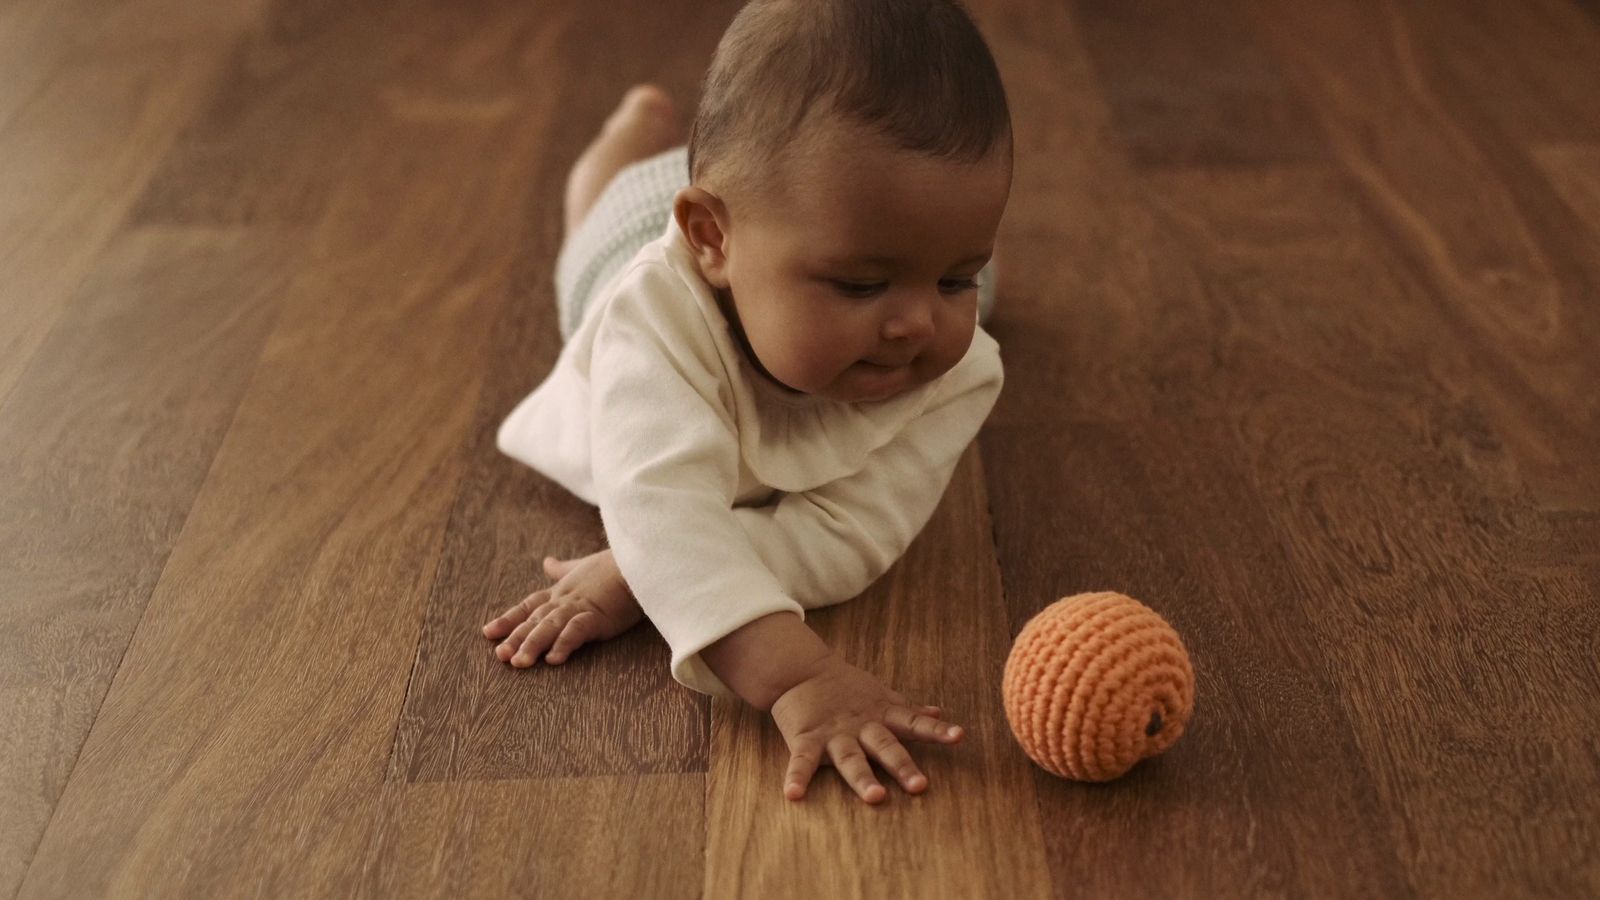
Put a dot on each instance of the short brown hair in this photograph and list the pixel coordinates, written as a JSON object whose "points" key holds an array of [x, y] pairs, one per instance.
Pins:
{"points": [[917, 71]]}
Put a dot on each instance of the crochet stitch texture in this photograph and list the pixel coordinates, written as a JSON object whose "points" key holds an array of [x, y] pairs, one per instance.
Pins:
{"points": [[1096, 682]]}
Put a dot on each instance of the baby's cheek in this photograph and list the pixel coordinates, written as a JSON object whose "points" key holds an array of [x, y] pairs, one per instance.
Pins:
{"points": [[953, 345], [807, 373], [830, 366], [801, 362]]}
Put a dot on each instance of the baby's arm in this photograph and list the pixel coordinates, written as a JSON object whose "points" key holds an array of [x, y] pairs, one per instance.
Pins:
{"points": [[763, 659], [666, 466], [828, 544], [666, 460]]}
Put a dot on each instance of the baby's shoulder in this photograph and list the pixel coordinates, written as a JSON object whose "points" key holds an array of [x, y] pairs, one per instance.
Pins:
{"points": [[652, 302], [653, 293]]}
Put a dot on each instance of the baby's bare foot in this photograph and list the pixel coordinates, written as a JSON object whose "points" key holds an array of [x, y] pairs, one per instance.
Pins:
{"points": [[646, 119], [643, 124]]}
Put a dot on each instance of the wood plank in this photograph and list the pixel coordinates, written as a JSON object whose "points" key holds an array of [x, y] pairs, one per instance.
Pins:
{"points": [[270, 147], [1467, 210], [1266, 794], [1459, 664], [1124, 292], [1310, 283], [1189, 84], [35, 35], [1558, 57], [38, 37], [108, 437], [1405, 524], [539, 837], [1574, 172], [72, 160], [468, 715], [1556, 60], [1088, 296], [253, 714], [1534, 67], [930, 629]]}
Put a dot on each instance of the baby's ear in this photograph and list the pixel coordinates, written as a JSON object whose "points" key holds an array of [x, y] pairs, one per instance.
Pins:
{"points": [[700, 215]]}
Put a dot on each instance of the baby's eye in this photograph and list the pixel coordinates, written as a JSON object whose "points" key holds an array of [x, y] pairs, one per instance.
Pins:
{"points": [[857, 289]]}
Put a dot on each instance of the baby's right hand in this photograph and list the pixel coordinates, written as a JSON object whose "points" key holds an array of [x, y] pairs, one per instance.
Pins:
{"points": [[838, 710], [590, 601]]}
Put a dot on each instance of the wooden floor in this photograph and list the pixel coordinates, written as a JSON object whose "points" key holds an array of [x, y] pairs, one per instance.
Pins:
{"points": [[1300, 315]]}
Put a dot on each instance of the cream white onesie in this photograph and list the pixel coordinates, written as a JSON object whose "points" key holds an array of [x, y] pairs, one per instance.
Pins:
{"points": [[723, 498]]}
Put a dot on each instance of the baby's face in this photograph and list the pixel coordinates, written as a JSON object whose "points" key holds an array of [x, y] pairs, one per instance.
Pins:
{"points": [[855, 281]]}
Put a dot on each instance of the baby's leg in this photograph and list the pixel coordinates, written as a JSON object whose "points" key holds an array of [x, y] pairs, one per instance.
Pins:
{"points": [[643, 124]]}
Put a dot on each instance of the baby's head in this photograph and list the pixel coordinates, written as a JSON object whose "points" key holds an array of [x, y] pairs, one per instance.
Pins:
{"points": [[850, 161]]}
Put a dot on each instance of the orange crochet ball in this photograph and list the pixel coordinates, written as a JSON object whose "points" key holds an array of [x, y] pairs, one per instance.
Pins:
{"points": [[1095, 683]]}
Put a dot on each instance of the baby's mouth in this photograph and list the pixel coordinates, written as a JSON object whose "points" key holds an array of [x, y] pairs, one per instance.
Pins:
{"points": [[880, 367], [882, 382]]}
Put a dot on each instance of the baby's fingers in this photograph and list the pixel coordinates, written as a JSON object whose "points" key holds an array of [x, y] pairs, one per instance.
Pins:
{"points": [[802, 765], [580, 628], [886, 749], [854, 767], [502, 625], [517, 638], [918, 726]]}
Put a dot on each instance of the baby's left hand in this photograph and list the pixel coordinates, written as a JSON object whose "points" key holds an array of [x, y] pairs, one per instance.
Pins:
{"points": [[590, 601]]}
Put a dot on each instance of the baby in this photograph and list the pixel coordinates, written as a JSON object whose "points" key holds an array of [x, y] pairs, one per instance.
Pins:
{"points": [[773, 359]]}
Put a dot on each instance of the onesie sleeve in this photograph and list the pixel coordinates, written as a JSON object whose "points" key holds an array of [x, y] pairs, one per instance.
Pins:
{"points": [[666, 474], [829, 544]]}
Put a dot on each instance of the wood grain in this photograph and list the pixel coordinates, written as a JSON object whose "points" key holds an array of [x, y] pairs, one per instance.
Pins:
{"points": [[1186, 86], [1503, 284], [108, 437], [1400, 512], [1531, 67], [1312, 341], [1164, 513], [534, 837], [612, 708], [39, 38], [1574, 173], [1092, 297], [78, 153], [256, 704]]}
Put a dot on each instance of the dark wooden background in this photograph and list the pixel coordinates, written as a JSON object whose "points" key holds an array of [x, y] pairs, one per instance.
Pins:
{"points": [[1300, 313]]}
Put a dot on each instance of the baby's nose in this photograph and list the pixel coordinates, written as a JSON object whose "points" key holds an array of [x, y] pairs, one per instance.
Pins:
{"points": [[912, 320]]}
